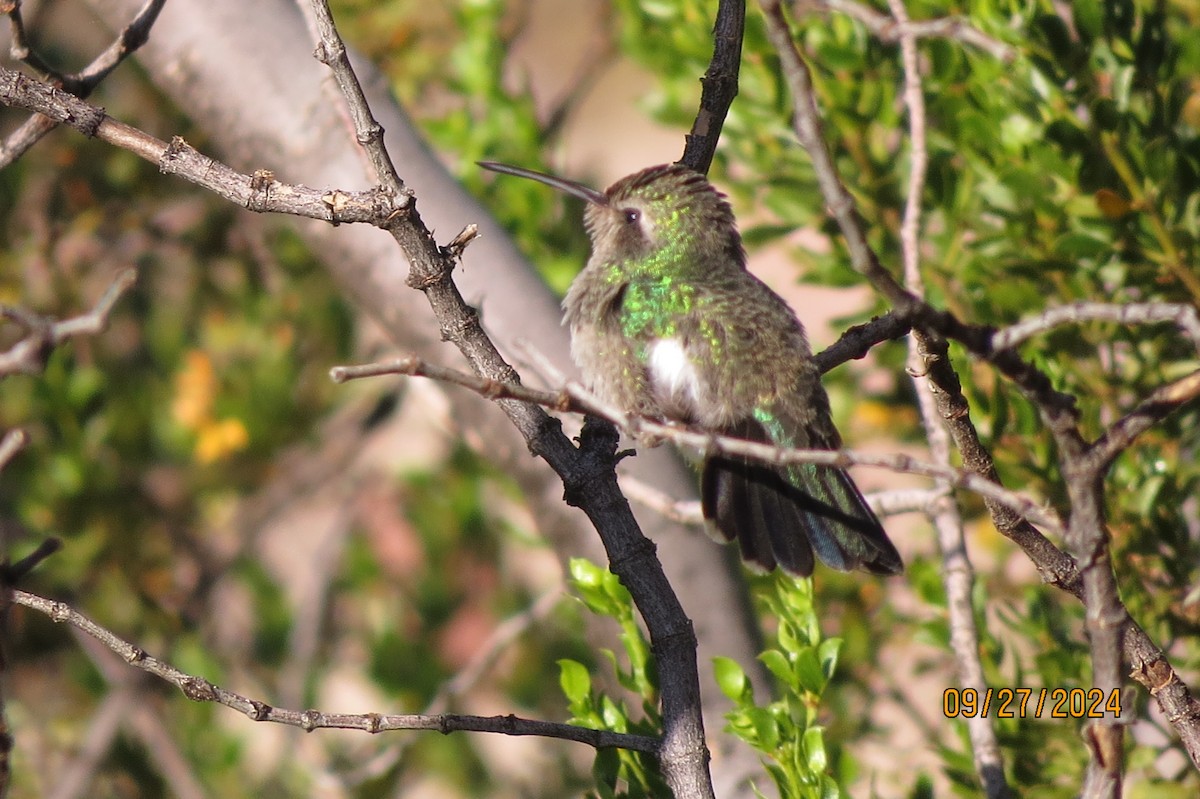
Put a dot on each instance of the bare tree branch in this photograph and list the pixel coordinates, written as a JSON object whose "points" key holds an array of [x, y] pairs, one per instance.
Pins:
{"points": [[199, 689], [1185, 317], [882, 503], [575, 398], [857, 341], [259, 192], [80, 84], [29, 355], [892, 29], [719, 85]]}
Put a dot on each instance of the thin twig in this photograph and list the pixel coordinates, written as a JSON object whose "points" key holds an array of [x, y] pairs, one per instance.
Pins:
{"points": [[19, 48], [29, 355], [331, 51], [882, 503], [838, 201], [413, 366], [259, 192], [890, 29], [575, 398], [677, 510], [1185, 317], [906, 500], [82, 83], [199, 689]]}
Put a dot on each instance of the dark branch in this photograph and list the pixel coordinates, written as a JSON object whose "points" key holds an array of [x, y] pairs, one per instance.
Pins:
{"points": [[718, 86], [856, 342]]}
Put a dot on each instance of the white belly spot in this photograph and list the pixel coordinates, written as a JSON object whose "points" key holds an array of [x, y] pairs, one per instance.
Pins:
{"points": [[673, 377]]}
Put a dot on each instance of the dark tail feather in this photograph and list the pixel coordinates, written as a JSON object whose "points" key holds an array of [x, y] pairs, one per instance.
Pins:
{"points": [[780, 515], [749, 503]]}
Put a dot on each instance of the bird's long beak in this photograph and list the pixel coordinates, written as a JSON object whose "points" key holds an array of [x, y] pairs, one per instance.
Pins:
{"points": [[585, 193]]}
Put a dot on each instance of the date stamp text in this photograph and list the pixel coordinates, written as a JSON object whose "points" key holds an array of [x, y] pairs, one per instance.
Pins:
{"points": [[1023, 703]]}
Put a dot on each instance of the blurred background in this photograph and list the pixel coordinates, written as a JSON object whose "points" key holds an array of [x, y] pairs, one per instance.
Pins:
{"points": [[353, 548]]}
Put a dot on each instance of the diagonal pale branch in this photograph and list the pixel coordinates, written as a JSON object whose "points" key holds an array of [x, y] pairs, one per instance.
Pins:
{"points": [[588, 473], [259, 192]]}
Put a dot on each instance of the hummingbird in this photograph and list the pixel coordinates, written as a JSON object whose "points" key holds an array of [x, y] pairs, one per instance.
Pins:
{"points": [[667, 322]]}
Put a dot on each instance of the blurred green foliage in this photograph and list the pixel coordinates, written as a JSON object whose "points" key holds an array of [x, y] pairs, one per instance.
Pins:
{"points": [[1072, 173]]}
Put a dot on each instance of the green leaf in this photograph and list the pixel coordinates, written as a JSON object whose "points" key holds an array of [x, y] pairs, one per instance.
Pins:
{"points": [[766, 729], [814, 749], [575, 681], [731, 678], [778, 664], [828, 651], [809, 672]]}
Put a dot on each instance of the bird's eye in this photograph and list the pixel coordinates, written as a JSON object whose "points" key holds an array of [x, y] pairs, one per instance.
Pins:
{"points": [[632, 216]]}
